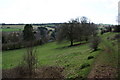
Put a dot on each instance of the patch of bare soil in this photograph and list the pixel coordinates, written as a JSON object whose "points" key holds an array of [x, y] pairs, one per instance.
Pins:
{"points": [[43, 72], [103, 71]]}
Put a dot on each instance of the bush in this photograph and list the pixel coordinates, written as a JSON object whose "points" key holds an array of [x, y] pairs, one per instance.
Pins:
{"points": [[117, 36], [108, 29], [11, 46], [117, 28], [4, 47], [29, 61], [18, 45], [90, 57], [102, 32], [94, 43], [37, 42], [84, 65]]}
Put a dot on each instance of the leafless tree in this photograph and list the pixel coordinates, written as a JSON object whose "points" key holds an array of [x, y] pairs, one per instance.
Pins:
{"points": [[29, 62]]}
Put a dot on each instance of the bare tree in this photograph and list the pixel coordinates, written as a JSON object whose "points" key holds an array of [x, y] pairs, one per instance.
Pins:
{"points": [[29, 62], [66, 31], [84, 19], [76, 31], [89, 28]]}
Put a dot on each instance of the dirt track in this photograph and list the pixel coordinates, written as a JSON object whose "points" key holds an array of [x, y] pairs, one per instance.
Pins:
{"points": [[103, 71], [43, 72]]}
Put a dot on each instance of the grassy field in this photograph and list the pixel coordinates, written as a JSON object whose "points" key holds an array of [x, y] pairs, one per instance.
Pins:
{"points": [[52, 54], [72, 58], [19, 28], [8, 30]]}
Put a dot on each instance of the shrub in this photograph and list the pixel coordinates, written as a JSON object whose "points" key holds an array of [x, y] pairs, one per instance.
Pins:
{"points": [[84, 65], [37, 42], [117, 28], [11, 46], [29, 61], [4, 47], [90, 57], [117, 36], [94, 43], [102, 32], [18, 45]]}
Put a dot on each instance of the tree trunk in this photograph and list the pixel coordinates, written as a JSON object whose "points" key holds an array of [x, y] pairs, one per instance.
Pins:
{"points": [[71, 43]]}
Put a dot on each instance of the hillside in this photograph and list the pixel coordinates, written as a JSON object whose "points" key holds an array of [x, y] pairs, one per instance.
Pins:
{"points": [[70, 58], [106, 64], [52, 54]]}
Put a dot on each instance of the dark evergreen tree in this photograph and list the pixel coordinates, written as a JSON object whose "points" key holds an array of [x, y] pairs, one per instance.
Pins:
{"points": [[28, 34]]}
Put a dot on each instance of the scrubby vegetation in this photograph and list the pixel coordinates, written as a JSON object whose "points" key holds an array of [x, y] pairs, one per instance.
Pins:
{"points": [[51, 54], [72, 50]]}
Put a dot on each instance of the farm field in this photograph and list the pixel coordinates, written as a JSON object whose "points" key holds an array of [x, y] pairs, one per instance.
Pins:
{"points": [[71, 58], [11, 28]]}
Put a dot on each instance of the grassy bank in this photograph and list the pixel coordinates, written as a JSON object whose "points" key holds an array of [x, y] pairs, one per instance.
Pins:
{"points": [[71, 58], [52, 54]]}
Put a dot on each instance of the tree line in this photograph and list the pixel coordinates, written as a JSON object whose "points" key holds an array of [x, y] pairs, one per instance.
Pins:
{"points": [[75, 30]]}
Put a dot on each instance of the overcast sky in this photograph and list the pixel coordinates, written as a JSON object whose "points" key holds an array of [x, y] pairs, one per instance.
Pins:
{"points": [[55, 11]]}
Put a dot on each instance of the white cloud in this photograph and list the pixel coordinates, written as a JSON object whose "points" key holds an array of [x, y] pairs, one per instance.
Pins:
{"points": [[43, 11]]}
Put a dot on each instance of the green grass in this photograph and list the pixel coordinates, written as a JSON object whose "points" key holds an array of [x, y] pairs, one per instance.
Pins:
{"points": [[21, 27], [10, 29], [111, 55], [108, 56], [51, 54]]}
